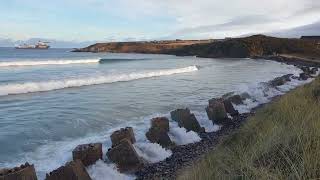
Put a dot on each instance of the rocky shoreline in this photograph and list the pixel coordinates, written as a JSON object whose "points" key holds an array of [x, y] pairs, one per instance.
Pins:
{"points": [[183, 156], [124, 155]]}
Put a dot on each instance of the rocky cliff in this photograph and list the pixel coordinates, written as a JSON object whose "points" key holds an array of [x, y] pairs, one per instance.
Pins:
{"points": [[150, 47], [257, 45]]}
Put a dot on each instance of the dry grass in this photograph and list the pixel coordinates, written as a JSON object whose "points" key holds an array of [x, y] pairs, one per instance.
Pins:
{"points": [[282, 141]]}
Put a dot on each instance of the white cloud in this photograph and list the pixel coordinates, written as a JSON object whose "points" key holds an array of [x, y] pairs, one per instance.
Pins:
{"points": [[190, 18]]}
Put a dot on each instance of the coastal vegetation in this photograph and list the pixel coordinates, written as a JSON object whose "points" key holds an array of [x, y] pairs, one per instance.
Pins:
{"points": [[281, 141], [252, 46]]}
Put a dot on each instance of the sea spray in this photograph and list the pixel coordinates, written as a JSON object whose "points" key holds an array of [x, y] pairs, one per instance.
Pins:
{"points": [[181, 137], [152, 152], [101, 171]]}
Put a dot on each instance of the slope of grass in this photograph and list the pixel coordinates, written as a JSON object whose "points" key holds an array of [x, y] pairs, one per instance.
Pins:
{"points": [[282, 141]]}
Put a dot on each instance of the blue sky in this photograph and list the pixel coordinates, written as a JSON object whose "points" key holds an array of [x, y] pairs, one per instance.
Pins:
{"points": [[106, 20]]}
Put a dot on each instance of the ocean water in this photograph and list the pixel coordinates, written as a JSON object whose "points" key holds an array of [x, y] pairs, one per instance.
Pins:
{"points": [[52, 100]]}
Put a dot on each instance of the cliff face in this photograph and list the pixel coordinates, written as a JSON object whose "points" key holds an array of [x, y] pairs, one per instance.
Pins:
{"points": [[153, 47], [257, 45]]}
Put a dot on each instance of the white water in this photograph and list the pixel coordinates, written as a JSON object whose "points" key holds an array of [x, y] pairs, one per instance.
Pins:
{"points": [[55, 123], [47, 62], [102, 171], [152, 152], [29, 87], [50, 156]]}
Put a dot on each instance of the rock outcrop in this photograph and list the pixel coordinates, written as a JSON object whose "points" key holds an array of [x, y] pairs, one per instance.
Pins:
{"points": [[279, 81], [304, 76], [149, 47], [235, 99], [160, 123], [186, 119], [88, 153], [73, 170], [125, 157], [314, 70], [257, 45], [123, 133], [158, 133], [216, 111], [23, 172], [229, 108]]}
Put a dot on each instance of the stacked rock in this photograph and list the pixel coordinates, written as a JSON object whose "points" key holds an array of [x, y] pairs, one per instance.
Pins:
{"points": [[23, 172], [73, 170], [187, 120], [88, 153], [158, 133], [216, 111], [123, 153], [123, 133]]}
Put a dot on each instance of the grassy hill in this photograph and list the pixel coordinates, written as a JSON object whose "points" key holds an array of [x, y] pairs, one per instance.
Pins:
{"points": [[257, 45], [282, 141]]}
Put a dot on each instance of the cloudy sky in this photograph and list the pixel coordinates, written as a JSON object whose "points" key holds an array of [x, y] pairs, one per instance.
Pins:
{"points": [[89, 20]]}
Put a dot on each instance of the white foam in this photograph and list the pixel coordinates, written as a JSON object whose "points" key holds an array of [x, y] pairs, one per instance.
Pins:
{"points": [[181, 137], [262, 93], [204, 121], [48, 62], [103, 171], [28, 87], [152, 152], [52, 155]]}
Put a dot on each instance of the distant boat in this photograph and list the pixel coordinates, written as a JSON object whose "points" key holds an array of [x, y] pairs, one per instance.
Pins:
{"points": [[39, 45]]}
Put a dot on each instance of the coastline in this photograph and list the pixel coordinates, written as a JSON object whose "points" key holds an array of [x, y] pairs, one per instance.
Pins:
{"points": [[184, 156]]}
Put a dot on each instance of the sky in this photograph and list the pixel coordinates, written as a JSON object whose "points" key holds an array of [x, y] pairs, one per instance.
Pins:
{"points": [[127, 20]]}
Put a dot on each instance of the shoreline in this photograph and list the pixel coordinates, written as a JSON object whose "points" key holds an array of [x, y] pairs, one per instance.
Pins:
{"points": [[184, 156]]}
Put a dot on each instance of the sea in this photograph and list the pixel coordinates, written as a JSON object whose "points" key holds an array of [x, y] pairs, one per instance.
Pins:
{"points": [[53, 100]]}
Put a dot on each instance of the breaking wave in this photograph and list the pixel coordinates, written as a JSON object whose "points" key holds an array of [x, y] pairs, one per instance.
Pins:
{"points": [[48, 62], [29, 87]]}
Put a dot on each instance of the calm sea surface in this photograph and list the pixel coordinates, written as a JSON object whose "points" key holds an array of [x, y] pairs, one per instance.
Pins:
{"points": [[52, 100]]}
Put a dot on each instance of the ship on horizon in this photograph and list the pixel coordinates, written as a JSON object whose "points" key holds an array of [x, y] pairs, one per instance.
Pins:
{"points": [[39, 45]]}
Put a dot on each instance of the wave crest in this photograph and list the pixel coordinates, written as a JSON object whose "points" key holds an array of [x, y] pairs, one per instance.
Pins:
{"points": [[29, 87], [47, 62]]}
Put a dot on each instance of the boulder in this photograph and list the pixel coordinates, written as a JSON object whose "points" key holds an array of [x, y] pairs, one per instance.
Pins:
{"points": [[88, 153], [245, 96], [160, 123], [236, 99], [123, 133], [125, 157], [314, 70], [73, 170], [287, 77], [24, 172], [281, 80], [159, 136], [227, 95], [158, 133], [186, 119], [216, 111], [303, 76], [277, 82], [229, 108], [305, 69]]}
